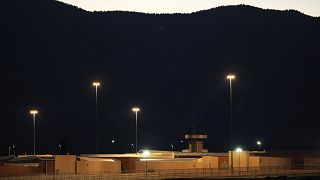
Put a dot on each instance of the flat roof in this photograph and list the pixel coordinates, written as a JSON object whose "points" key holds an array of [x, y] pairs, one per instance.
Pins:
{"points": [[154, 153]]}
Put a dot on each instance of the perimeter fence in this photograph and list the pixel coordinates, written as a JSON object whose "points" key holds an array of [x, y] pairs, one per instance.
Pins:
{"points": [[306, 170]]}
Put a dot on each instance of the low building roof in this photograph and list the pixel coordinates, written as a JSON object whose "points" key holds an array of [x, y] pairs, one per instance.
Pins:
{"points": [[6, 158], [30, 159], [156, 154], [97, 159]]}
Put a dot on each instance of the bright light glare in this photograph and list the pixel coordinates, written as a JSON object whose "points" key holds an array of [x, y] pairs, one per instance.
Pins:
{"points": [[239, 150], [259, 143], [146, 153], [96, 84], [135, 109], [33, 111], [231, 76]]}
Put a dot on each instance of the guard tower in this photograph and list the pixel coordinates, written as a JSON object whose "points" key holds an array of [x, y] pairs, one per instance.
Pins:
{"points": [[195, 143]]}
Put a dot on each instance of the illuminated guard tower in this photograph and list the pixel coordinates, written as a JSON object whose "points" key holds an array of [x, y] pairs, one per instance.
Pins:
{"points": [[195, 143]]}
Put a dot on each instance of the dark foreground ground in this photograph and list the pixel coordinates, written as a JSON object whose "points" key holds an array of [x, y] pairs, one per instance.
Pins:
{"points": [[261, 178]]}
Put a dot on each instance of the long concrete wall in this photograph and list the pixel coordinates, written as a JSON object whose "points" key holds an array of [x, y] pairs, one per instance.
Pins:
{"points": [[205, 162], [65, 164], [168, 164], [98, 166], [260, 161], [240, 159], [210, 162], [312, 161], [254, 161], [19, 170], [223, 162]]}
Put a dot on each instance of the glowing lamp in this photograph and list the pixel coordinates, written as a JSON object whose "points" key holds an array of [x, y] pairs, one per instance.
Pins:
{"points": [[33, 112], [231, 76], [259, 143], [135, 109], [96, 84]]}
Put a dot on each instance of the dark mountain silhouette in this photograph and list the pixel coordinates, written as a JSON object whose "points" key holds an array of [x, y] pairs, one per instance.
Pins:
{"points": [[172, 66]]}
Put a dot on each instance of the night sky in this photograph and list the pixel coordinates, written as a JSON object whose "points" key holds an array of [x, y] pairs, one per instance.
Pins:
{"points": [[173, 67]]}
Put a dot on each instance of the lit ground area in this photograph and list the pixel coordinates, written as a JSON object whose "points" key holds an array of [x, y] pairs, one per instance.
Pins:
{"points": [[258, 178]]}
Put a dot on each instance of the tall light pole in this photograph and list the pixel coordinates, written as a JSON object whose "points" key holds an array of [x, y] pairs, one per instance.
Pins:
{"points": [[34, 112], [96, 85], [136, 110], [230, 77]]}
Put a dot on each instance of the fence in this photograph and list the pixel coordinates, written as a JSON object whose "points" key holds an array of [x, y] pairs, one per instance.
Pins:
{"points": [[309, 170]]}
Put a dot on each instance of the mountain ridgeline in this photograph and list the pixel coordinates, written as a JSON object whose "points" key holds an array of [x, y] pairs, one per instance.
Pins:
{"points": [[174, 66]]}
